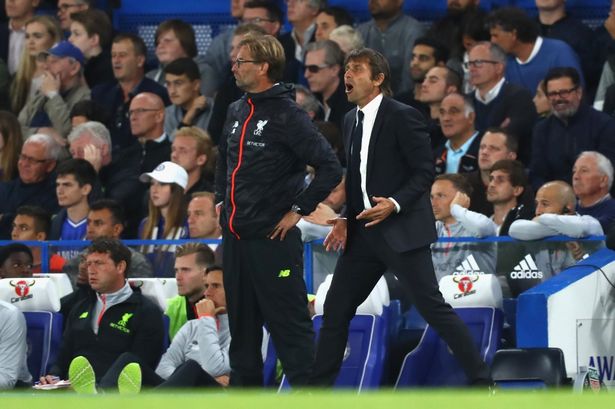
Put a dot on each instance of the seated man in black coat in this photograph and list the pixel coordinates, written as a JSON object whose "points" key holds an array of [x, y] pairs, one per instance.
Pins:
{"points": [[496, 102]]}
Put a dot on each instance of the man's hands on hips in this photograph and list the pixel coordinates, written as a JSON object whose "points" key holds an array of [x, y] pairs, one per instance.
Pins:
{"points": [[383, 209], [289, 221], [336, 239]]}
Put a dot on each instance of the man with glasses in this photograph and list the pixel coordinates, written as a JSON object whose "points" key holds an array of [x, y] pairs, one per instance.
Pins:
{"points": [[265, 14], [530, 56], [266, 144], [68, 7], [573, 127], [147, 123], [35, 184], [62, 87], [128, 54], [301, 14], [498, 103], [323, 71]]}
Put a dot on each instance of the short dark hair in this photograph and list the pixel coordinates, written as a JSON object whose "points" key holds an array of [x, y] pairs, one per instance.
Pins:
{"points": [[81, 169], [474, 27], [512, 143], [273, 10], [514, 19], [514, 169], [114, 207], [378, 65], [213, 267], [453, 78], [114, 248], [459, 181], [183, 66], [563, 72], [137, 42], [440, 51], [341, 16], [95, 22], [184, 33], [6, 251], [92, 110], [41, 217]]}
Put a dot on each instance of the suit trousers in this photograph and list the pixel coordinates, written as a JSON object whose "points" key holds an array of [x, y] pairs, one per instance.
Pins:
{"points": [[263, 281], [359, 268]]}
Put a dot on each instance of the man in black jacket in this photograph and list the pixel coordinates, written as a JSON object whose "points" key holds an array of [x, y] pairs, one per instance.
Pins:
{"points": [[266, 143], [111, 319], [389, 224]]}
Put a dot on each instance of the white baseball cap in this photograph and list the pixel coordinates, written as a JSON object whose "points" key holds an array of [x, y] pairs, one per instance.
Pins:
{"points": [[167, 172]]}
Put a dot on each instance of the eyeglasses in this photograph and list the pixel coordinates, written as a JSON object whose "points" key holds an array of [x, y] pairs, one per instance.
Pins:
{"points": [[31, 160], [562, 93], [314, 69], [257, 20], [239, 61], [478, 63], [140, 111]]}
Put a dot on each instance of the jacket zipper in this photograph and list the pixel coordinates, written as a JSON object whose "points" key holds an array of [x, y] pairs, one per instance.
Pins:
{"points": [[241, 140]]}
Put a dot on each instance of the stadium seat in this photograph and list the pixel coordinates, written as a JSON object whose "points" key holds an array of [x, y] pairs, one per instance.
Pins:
{"points": [[365, 355], [474, 290], [530, 368], [377, 299], [156, 289], [270, 360], [30, 294], [60, 280], [431, 363], [44, 335]]}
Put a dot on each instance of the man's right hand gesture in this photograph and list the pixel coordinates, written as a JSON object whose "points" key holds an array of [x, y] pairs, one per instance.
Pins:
{"points": [[336, 239]]}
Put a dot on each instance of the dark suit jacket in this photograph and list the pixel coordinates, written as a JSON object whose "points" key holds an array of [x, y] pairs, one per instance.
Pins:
{"points": [[399, 165], [513, 106]]}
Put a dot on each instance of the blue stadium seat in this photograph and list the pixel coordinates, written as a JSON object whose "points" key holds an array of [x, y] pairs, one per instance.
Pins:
{"points": [[431, 362], [270, 363], [365, 355], [44, 337]]}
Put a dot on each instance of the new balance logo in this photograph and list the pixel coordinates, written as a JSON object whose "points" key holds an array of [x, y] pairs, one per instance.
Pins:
{"points": [[468, 266], [526, 270]]}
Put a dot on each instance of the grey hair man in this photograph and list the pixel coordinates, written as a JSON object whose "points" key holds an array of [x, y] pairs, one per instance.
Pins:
{"points": [[592, 179]]}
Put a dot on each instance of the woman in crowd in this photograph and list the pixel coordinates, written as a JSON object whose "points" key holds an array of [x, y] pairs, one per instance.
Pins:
{"points": [[42, 32], [166, 217]]}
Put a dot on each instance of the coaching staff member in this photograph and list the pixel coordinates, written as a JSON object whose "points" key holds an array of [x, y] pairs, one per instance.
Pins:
{"points": [[267, 142], [389, 224]]}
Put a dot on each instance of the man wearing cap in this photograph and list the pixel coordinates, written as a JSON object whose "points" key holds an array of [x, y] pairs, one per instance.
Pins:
{"points": [[61, 89]]}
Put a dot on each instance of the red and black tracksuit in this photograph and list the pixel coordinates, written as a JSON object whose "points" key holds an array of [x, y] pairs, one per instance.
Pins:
{"points": [[267, 143]]}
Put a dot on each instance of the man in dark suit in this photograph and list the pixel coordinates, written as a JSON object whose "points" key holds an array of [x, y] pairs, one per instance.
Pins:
{"points": [[389, 224]]}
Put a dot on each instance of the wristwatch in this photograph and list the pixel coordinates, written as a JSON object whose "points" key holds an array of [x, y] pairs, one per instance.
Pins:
{"points": [[296, 209]]}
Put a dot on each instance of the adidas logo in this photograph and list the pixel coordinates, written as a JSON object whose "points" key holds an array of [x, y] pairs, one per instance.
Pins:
{"points": [[526, 270], [468, 266]]}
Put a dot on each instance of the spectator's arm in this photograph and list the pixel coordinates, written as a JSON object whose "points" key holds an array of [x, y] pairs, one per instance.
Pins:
{"points": [[174, 356], [214, 358], [476, 223], [571, 225], [530, 230]]}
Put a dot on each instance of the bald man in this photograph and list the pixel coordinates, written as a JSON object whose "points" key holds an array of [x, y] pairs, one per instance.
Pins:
{"points": [[146, 116], [555, 215]]}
